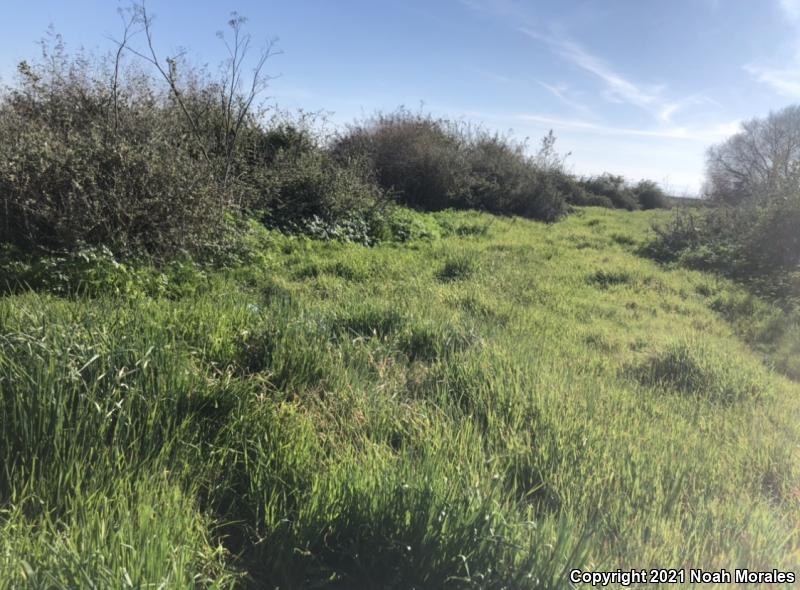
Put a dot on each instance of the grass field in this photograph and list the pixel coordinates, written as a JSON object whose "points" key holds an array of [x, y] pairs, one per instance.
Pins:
{"points": [[488, 409]]}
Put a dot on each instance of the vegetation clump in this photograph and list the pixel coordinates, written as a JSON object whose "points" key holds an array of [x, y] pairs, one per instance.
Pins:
{"points": [[106, 153], [757, 244], [434, 164], [698, 370], [750, 233], [456, 268]]}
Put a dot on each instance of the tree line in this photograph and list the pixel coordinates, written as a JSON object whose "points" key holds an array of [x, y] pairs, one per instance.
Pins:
{"points": [[752, 231], [146, 154]]}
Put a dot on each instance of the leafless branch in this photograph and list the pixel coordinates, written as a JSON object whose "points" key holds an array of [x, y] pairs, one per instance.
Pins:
{"points": [[128, 31], [169, 73]]}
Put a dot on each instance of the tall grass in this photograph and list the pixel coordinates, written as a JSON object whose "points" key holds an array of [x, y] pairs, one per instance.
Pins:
{"points": [[486, 409]]}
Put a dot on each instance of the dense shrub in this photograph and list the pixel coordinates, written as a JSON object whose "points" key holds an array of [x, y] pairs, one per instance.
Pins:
{"points": [[405, 225], [611, 187], [287, 177], [311, 185], [506, 180], [613, 191], [751, 231], [433, 164], [73, 173], [100, 153], [758, 243], [582, 198], [416, 158], [92, 154], [650, 195], [774, 239]]}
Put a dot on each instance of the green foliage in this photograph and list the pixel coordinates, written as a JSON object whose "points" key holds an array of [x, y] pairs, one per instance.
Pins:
{"points": [[98, 154], [758, 244], [406, 225], [650, 195], [455, 412], [457, 267], [433, 164], [768, 328], [93, 542], [582, 198], [319, 414], [298, 186], [697, 369], [94, 159], [94, 271], [73, 172], [612, 188]]}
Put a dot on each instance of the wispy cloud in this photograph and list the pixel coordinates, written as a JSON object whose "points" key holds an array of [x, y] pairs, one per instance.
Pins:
{"points": [[561, 92], [670, 108], [700, 134], [784, 81], [618, 88], [791, 8], [654, 128]]}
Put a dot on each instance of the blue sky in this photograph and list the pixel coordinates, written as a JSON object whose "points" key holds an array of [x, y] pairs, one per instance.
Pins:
{"points": [[636, 87]]}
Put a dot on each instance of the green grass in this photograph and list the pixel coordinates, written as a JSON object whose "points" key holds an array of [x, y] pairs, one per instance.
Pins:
{"points": [[482, 410]]}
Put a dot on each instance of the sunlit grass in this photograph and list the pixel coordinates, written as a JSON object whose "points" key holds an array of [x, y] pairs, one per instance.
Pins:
{"points": [[485, 410]]}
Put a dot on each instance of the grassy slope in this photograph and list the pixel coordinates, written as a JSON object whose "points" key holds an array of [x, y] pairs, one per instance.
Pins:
{"points": [[475, 411]]}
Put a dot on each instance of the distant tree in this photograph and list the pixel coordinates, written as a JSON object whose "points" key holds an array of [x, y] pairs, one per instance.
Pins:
{"points": [[759, 163], [612, 188], [650, 195]]}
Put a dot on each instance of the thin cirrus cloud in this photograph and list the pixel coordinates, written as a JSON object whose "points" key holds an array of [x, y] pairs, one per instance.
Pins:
{"points": [[791, 8], [699, 134], [670, 109], [618, 88], [784, 80], [562, 92], [636, 128]]}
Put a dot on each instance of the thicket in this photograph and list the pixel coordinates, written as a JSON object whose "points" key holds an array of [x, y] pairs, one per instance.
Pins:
{"points": [[757, 243], [750, 233], [78, 166], [613, 190], [153, 156], [150, 155], [434, 164]]}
